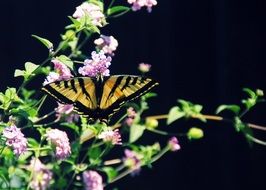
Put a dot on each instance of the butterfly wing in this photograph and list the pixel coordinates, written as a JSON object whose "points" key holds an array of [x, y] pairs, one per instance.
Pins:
{"points": [[119, 89], [79, 91]]}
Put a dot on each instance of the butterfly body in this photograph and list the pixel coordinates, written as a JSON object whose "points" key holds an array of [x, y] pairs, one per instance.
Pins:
{"points": [[99, 97]]}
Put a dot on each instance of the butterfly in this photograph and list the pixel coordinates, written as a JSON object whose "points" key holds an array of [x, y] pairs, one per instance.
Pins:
{"points": [[98, 98]]}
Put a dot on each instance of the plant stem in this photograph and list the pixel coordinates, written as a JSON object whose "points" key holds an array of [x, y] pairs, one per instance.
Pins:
{"points": [[258, 141]]}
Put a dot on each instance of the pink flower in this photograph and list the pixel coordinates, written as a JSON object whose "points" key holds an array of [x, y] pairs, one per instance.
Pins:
{"points": [[106, 43], [173, 144], [41, 175], [138, 4], [62, 72], [15, 139], [91, 10], [92, 180], [144, 67], [112, 136], [61, 142], [65, 111], [131, 114], [97, 65], [132, 160], [52, 77]]}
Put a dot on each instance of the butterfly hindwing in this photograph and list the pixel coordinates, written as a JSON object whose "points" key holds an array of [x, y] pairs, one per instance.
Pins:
{"points": [[79, 91], [119, 89]]}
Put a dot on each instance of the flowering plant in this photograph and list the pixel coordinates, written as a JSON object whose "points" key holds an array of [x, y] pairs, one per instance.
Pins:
{"points": [[61, 149]]}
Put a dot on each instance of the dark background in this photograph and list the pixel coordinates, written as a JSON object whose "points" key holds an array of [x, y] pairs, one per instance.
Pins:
{"points": [[202, 51]]}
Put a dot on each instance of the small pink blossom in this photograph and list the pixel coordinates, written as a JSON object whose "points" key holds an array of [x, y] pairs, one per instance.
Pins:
{"points": [[62, 72], [132, 160], [65, 111], [106, 43], [173, 144], [52, 77], [138, 4], [112, 136], [131, 114], [144, 67], [15, 139], [92, 180], [97, 65], [61, 142], [93, 11], [41, 177]]}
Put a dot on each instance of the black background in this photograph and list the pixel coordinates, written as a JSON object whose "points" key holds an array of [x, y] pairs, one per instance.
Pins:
{"points": [[202, 51]]}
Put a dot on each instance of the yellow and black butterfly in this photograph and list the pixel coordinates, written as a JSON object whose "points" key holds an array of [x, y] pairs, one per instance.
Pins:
{"points": [[99, 97]]}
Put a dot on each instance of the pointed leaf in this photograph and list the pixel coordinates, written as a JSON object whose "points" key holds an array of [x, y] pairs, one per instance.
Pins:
{"points": [[44, 41], [136, 131], [174, 114], [110, 172], [234, 108], [19, 72], [30, 67], [117, 10], [67, 61]]}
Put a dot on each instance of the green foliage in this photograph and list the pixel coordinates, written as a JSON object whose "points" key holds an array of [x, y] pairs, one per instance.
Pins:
{"points": [[110, 172], [116, 10], [185, 109], [233, 108], [66, 60], [7, 98], [44, 41], [135, 132], [253, 97]]}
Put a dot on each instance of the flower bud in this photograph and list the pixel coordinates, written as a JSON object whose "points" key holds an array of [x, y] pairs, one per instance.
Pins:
{"points": [[195, 133], [259, 92], [151, 123]]}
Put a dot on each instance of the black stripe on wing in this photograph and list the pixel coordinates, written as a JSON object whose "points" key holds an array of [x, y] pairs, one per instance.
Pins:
{"points": [[57, 95], [117, 105]]}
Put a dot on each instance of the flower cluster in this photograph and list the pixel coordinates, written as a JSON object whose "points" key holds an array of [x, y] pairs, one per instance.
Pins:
{"points": [[65, 111], [174, 144], [132, 160], [62, 72], [15, 139], [92, 11], [112, 136], [107, 44], [138, 4], [97, 65], [92, 180], [61, 142], [41, 175]]}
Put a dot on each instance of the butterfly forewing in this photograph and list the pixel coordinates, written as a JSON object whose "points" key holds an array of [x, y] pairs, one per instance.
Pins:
{"points": [[122, 88], [79, 91]]}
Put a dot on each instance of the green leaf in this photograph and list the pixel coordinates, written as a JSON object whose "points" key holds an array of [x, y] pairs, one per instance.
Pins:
{"points": [[136, 131], [30, 67], [94, 152], [234, 108], [19, 72], [44, 41], [110, 172], [117, 10], [174, 114], [32, 143], [67, 61], [250, 92]]}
